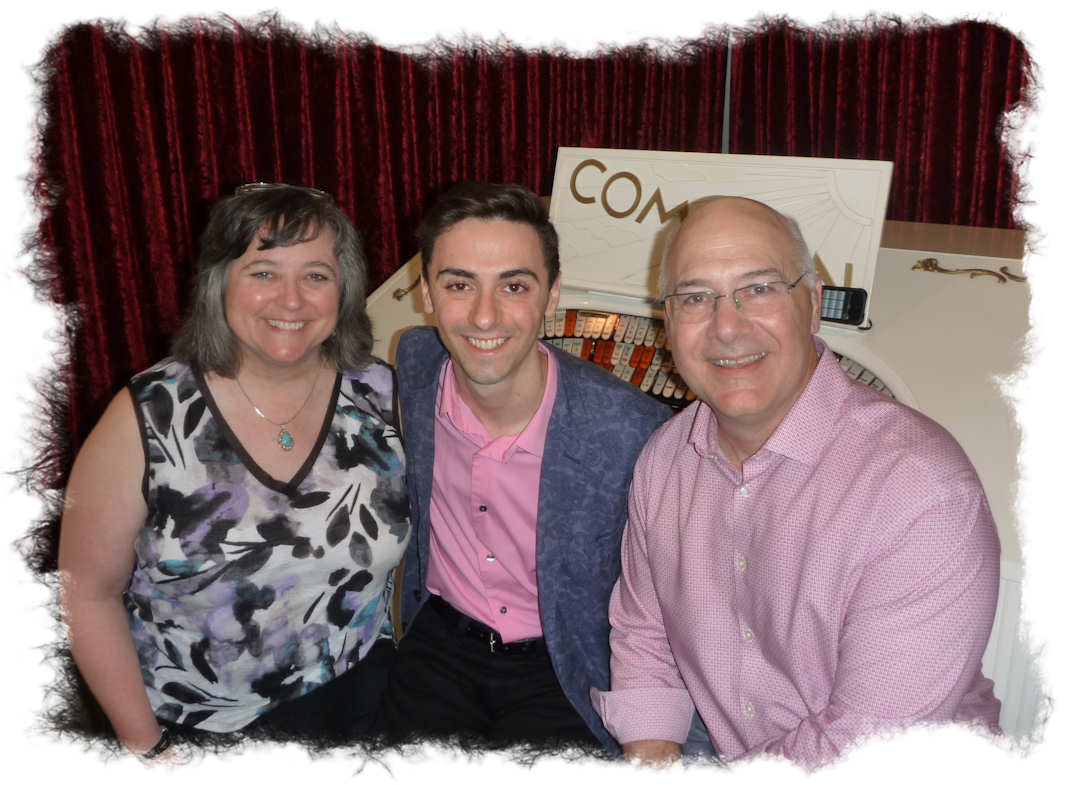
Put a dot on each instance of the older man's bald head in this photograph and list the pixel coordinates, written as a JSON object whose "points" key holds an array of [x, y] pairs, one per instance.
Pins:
{"points": [[707, 214]]}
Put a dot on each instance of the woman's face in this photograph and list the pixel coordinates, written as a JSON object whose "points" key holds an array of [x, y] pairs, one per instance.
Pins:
{"points": [[282, 303]]}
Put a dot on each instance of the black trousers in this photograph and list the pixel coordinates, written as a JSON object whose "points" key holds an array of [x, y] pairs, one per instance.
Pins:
{"points": [[341, 710], [445, 683]]}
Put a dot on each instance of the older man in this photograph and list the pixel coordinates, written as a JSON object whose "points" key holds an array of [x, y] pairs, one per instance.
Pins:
{"points": [[805, 560]]}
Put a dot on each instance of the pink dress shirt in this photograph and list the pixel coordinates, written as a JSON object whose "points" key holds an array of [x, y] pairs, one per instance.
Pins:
{"points": [[484, 505], [844, 580]]}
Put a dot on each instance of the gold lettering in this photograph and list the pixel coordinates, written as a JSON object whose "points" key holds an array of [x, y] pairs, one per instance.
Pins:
{"points": [[572, 180], [681, 210], [635, 184], [656, 200]]}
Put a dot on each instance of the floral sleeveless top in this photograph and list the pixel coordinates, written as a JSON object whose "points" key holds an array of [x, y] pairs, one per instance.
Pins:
{"points": [[248, 591]]}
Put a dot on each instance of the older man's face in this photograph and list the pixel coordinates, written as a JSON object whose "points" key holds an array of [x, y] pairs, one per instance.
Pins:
{"points": [[748, 370]]}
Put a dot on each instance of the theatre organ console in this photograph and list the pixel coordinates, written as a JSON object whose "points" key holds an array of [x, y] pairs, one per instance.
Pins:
{"points": [[634, 349], [945, 321]]}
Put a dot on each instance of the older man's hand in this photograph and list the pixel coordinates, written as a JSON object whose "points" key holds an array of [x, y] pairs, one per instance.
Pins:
{"points": [[652, 752]]}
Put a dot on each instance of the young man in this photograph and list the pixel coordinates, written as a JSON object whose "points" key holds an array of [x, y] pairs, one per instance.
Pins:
{"points": [[805, 560], [519, 458]]}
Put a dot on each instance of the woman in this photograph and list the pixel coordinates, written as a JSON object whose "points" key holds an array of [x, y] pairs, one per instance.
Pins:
{"points": [[232, 521]]}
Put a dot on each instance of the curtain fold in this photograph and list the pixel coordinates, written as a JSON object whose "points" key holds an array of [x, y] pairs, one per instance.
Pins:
{"points": [[930, 98]]}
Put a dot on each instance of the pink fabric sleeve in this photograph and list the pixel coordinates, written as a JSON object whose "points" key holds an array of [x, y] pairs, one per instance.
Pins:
{"points": [[647, 699]]}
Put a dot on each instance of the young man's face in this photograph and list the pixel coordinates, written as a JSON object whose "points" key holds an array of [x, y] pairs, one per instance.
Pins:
{"points": [[487, 284]]}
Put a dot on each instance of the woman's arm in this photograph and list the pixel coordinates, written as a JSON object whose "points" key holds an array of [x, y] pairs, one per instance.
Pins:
{"points": [[103, 513]]}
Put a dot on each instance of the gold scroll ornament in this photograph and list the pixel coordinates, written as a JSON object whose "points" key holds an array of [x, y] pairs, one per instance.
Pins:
{"points": [[931, 265], [398, 294]]}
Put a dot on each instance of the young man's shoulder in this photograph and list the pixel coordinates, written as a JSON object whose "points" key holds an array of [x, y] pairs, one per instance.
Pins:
{"points": [[418, 347], [419, 339], [617, 398]]}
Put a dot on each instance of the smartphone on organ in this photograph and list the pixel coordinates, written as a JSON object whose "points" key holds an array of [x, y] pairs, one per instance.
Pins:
{"points": [[843, 304]]}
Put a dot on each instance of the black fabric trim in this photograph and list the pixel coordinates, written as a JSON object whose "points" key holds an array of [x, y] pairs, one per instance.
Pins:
{"points": [[396, 404], [138, 416], [290, 486]]}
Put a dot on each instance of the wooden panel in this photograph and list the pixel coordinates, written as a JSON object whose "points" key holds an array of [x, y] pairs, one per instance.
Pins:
{"points": [[944, 238]]}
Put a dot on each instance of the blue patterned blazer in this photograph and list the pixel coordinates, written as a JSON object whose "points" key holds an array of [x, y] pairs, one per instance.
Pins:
{"points": [[596, 430]]}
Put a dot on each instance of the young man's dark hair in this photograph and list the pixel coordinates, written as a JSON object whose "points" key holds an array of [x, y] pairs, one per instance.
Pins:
{"points": [[489, 201]]}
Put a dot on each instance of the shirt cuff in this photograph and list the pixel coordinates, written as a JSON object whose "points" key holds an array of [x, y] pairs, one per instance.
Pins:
{"points": [[643, 713]]}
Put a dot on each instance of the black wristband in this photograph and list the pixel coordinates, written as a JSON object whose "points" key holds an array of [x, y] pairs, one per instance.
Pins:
{"points": [[160, 746]]}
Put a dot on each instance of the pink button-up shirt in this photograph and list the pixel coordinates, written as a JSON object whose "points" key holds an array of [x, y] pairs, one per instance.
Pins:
{"points": [[484, 506], [845, 579]]}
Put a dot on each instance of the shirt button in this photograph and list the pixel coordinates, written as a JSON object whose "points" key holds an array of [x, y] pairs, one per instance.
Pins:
{"points": [[741, 563], [483, 508], [748, 635], [502, 609], [490, 557], [744, 491], [749, 710]]}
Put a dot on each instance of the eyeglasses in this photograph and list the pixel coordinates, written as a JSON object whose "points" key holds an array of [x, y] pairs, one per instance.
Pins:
{"points": [[755, 299], [253, 187]]}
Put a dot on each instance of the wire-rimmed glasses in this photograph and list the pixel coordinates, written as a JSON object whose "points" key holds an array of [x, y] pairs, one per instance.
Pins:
{"points": [[755, 299]]}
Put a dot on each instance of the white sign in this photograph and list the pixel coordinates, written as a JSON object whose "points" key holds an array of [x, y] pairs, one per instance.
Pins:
{"points": [[612, 209]]}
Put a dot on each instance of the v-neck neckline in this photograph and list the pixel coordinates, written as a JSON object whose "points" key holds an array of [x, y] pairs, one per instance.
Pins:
{"points": [[288, 487]]}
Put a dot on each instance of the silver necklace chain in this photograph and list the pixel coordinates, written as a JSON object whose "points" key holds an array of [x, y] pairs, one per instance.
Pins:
{"points": [[285, 439]]}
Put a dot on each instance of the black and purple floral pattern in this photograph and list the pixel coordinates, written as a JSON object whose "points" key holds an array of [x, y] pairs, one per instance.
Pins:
{"points": [[248, 591]]}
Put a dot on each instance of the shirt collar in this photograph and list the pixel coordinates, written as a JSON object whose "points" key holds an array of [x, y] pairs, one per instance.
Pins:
{"points": [[532, 439], [802, 434]]}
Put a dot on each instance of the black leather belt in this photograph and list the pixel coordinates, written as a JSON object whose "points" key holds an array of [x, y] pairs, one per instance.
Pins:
{"points": [[468, 626]]}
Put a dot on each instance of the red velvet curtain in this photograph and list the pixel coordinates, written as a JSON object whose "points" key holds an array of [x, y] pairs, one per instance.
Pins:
{"points": [[929, 98], [142, 134]]}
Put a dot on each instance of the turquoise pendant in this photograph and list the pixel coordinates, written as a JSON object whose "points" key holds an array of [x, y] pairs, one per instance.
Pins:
{"points": [[286, 441]]}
